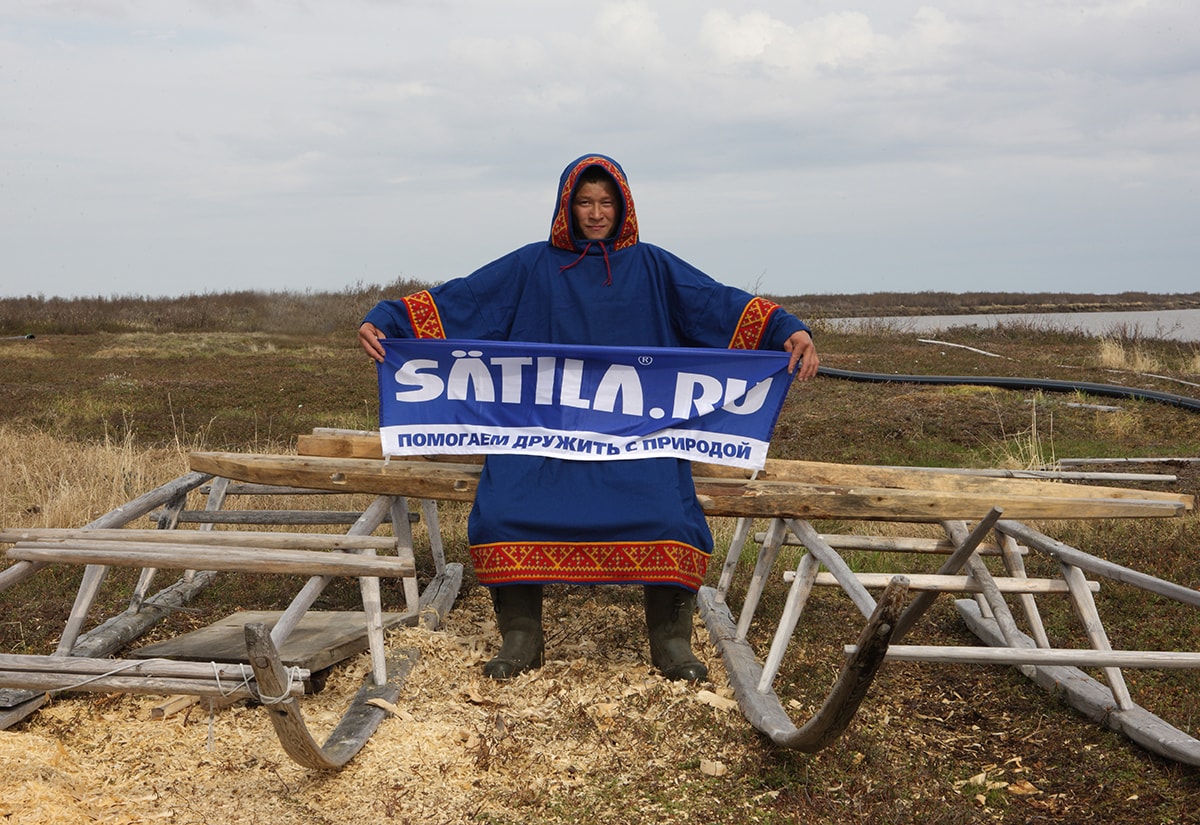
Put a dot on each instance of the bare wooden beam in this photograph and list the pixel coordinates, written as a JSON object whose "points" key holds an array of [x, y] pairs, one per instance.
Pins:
{"points": [[889, 544], [157, 685], [81, 666], [932, 582], [247, 538], [288, 518], [718, 496], [1098, 566], [1153, 660], [233, 558], [333, 443]]}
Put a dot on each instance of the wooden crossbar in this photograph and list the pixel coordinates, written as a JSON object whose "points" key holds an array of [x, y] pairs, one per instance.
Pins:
{"points": [[91, 666], [887, 544], [227, 557], [153, 676], [949, 584], [249, 538], [264, 517], [1040, 656]]}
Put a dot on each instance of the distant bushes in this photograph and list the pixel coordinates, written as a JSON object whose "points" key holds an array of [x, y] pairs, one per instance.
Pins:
{"points": [[242, 311], [970, 303], [326, 312]]}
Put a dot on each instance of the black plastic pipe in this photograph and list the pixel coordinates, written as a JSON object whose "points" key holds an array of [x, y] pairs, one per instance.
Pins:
{"points": [[1107, 390]]}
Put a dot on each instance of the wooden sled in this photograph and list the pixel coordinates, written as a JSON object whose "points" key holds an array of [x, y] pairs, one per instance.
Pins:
{"points": [[82, 660], [988, 614], [790, 494]]}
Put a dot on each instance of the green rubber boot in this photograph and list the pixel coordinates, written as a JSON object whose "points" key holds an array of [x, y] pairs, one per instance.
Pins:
{"points": [[519, 617], [669, 619]]}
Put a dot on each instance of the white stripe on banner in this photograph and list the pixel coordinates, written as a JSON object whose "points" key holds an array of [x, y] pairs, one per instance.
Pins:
{"points": [[579, 402]]}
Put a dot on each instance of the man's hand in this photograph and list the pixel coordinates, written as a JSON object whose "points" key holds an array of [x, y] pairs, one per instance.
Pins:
{"points": [[800, 345], [368, 336]]}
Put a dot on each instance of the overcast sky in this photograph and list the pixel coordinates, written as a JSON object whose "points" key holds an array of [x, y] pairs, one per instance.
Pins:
{"points": [[158, 147]]}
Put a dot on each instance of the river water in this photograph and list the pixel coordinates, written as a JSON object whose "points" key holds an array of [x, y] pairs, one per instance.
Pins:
{"points": [[1169, 324]]}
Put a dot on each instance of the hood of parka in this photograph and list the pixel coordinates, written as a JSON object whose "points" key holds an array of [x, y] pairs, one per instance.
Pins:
{"points": [[562, 226]]}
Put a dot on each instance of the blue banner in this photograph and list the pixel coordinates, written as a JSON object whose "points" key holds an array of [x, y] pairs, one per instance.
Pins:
{"points": [[579, 402]]}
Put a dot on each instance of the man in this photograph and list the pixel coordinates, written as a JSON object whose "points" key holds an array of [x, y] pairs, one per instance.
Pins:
{"points": [[548, 520]]}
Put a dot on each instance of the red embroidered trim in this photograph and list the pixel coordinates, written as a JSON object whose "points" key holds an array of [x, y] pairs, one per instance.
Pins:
{"points": [[560, 229], [753, 324], [659, 562], [423, 314]]}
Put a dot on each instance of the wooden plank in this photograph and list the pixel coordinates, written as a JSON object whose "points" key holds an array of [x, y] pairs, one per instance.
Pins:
{"points": [[1015, 565], [10, 697], [154, 666], [14, 712], [266, 517], [319, 640], [763, 565], [719, 497], [932, 582], [240, 688], [1093, 626], [246, 538], [194, 557], [930, 478], [271, 490], [366, 445], [890, 544], [764, 499], [1153, 659], [836, 565], [450, 482], [363, 716], [173, 705], [803, 579]]}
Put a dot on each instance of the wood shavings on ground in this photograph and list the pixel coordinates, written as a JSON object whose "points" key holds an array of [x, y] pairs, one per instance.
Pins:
{"points": [[455, 747]]}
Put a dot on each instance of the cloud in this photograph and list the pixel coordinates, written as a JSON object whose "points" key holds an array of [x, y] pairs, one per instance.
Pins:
{"points": [[306, 143]]}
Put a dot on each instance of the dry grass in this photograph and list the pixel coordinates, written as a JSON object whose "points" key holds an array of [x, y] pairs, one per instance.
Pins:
{"points": [[1031, 448], [48, 482], [1191, 365], [1115, 354]]}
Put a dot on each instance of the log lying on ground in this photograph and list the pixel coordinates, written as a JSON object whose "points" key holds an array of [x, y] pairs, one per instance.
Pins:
{"points": [[721, 496]]}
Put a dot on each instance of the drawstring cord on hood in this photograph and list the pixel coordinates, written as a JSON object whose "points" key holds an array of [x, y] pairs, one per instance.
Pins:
{"points": [[607, 265]]}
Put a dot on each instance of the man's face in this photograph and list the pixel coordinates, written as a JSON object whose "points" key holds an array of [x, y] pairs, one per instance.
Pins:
{"points": [[594, 209]]}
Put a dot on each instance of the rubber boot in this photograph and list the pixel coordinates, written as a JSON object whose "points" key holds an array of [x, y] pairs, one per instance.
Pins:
{"points": [[519, 617], [669, 620]]}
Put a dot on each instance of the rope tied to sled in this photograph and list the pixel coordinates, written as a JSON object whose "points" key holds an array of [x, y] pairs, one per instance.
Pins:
{"points": [[292, 675]]}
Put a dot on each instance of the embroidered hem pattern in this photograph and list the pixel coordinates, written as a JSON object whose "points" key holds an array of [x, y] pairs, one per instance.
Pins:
{"points": [[661, 562], [753, 324], [423, 314]]}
